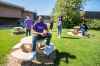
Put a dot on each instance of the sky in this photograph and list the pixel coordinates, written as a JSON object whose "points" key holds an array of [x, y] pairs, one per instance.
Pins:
{"points": [[92, 5], [44, 7]]}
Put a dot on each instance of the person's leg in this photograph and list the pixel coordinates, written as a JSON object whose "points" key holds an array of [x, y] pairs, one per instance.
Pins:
{"points": [[51, 27], [82, 33], [26, 32], [34, 40], [29, 32], [48, 38], [59, 31], [34, 59]]}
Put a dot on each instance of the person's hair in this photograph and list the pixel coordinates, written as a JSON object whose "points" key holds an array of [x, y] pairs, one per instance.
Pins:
{"points": [[40, 18], [60, 18]]}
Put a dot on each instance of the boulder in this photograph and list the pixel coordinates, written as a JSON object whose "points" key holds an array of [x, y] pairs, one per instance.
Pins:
{"points": [[18, 30], [43, 53]]}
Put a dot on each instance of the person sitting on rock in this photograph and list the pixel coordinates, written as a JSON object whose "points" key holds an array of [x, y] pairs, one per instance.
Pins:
{"points": [[40, 31]]}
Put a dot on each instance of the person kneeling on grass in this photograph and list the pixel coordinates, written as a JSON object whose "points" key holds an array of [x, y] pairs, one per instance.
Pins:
{"points": [[40, 31], [83, 29]]}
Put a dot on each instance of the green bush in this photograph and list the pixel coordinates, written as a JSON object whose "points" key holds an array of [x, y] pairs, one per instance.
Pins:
{"points": [[94, 23], [70, 23]]}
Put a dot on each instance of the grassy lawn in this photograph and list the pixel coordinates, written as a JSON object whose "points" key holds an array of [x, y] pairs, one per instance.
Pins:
{"points": [[72, 51], [75, 51], [7, 40]]}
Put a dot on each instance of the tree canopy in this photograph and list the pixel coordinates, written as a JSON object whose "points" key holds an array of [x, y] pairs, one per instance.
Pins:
{"points": [[70, 10]]}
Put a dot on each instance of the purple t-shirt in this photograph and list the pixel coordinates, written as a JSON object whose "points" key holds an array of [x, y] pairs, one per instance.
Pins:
{"points": [[39, 27], [28, 24]]}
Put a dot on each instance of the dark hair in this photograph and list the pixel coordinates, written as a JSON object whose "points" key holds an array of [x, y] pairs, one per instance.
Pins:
{"points": [[60, 18]]}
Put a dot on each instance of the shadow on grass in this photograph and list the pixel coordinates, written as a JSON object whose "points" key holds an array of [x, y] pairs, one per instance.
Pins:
{"points": [[26, 63], [60, 56], [71, 37], [63, 56], [97, 29]]}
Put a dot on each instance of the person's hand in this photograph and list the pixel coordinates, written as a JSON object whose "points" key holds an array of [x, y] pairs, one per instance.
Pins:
{"points": [[42, 34], [45, 32]]}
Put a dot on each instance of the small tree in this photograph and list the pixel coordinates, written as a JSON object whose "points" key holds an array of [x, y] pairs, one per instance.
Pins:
{"points": [[70, 10]]}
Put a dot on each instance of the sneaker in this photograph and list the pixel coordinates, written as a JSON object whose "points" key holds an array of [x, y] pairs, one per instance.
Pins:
{"points": [[49, 62], [36, 62]]}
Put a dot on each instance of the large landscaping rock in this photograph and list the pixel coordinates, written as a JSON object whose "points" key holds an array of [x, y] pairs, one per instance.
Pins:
{"points": [[18, 30], [22, 52]]}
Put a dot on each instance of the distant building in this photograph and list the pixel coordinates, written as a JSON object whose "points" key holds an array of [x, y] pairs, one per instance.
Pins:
{"points": [[46, 18], [29, 13], [10, 14], [92, 14]]}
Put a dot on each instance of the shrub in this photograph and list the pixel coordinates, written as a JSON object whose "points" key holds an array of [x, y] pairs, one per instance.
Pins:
{"points": [[94, 23]]}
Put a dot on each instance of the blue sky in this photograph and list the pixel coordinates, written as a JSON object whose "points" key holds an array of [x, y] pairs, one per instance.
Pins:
{"points": [[44, 7], [92, 5]]}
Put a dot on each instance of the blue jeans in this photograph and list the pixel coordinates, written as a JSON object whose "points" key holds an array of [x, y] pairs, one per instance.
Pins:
{"points": [[39, 37], [59, 30], [83, 32]]}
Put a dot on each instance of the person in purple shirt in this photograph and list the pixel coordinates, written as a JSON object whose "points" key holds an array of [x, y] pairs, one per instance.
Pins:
{"points": [[28, 25], [40, 31]]}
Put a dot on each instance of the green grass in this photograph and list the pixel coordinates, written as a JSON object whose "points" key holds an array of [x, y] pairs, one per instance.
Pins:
{"points": [[79, 51], [76, 51], [7, 41]]}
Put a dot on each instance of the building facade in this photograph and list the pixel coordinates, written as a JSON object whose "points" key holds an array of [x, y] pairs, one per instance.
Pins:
{"points": [[10, 14], [92, 14]]}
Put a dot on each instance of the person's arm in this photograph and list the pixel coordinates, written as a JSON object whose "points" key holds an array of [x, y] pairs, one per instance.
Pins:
{"points": [[45, 30], [36, 33], [24, 23]]}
